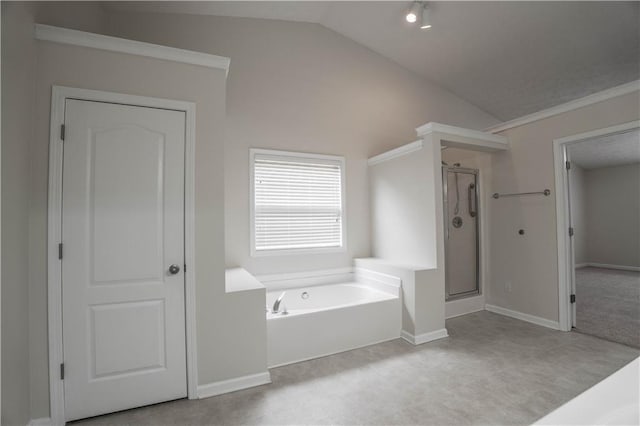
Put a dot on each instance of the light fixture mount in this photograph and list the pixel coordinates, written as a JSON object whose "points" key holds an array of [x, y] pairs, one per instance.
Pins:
{"points": [[414, 12], [419, 12], [425, 19]]}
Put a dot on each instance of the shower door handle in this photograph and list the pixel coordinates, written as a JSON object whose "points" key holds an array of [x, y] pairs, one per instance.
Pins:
{"points": [[472, 200]]}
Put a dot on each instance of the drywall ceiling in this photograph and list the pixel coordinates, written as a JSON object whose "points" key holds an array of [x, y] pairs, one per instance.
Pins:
{"points": [[508, 58], [607, 151]]}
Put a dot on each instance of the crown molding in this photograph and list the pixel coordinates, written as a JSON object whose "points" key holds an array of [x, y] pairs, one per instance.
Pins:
{"points": [[480, 135], [132, 47], [614, 92], [397, 152]]}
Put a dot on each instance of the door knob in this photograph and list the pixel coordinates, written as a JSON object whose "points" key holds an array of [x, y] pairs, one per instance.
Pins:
{"points": [[174, 269]]}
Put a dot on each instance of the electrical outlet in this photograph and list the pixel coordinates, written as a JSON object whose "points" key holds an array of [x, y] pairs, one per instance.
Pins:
{"points": [[507, 286]]}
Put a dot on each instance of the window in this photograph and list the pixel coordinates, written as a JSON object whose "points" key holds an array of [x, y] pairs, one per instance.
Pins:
{"points": [[297, 202]]}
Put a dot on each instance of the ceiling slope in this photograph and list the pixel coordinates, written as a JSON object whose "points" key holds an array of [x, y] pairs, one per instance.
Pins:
{"points": [[508, 58]]}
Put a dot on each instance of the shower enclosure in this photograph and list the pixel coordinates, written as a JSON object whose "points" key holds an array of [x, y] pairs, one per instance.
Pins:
{"points": [[460, 190]]}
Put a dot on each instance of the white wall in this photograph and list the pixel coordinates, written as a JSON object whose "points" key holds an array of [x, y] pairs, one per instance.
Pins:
{"points": [[301, 87], [530, 262], [18, 94], [403, 215], [613, 215], [406, 215], [578, 201]]}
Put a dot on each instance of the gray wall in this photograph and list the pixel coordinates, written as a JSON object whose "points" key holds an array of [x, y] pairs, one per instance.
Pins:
{"points": [[530, 262], [22, 371], [613, 215], [18, 94], [84, 16], [302, 87]]}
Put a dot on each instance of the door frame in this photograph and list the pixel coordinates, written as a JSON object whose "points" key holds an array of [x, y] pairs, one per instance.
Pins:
{"points": [[566, 267], [59, 95]]}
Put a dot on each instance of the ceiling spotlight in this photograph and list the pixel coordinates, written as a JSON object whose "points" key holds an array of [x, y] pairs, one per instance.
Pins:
{"points": [[412, 14], [425, 22]]}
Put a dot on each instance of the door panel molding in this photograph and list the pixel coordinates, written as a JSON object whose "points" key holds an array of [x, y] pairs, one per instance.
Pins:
{"points": [[54, 232]]}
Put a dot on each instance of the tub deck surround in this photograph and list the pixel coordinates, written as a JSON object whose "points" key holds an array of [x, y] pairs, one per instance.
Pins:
{"points": [[327, 318], [238, 279], [306, 278], [244, 290], [423, 306], [305, 300], [334, 318]]}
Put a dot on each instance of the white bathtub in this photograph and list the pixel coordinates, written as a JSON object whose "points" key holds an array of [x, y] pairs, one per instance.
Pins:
{"points": [[328, 319]]}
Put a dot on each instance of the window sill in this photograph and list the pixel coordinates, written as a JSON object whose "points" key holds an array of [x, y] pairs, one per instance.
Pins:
{"points": [[298, 252]]}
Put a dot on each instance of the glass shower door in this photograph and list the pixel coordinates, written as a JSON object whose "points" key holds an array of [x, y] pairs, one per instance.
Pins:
{"points": [[461, 232]]}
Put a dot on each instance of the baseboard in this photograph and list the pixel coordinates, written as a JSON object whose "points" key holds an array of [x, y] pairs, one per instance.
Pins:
{"points": [[522, 316], [424, 338], [42, 421], [232, 385], [619, 267], [581, 265], [468, 305]]}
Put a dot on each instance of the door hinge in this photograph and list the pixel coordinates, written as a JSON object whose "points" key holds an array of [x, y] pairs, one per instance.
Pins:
{"points": [[185, 268], [571, 231], [62, 371], [572, 298], [568, 165], [62, 131], [60, 251]]}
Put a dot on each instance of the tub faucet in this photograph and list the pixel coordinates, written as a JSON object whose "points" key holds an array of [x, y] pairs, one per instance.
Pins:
{"points": [[276, 304]]}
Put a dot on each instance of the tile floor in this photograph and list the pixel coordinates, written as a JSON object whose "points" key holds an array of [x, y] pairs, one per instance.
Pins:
{"points": [[608, 304], [491, 370]]}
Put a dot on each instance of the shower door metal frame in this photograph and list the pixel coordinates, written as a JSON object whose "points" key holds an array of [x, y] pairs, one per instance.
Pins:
{"points": [[445, 194]]}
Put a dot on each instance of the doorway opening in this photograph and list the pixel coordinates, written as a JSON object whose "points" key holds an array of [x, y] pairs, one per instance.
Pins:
{"points": [[600, 210], [464, 221]]}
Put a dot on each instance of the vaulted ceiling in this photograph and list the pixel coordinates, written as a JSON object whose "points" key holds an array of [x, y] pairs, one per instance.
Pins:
{"points": [[508, 58]]}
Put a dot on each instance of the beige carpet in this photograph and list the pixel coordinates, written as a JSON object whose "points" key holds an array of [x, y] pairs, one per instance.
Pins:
{"points": [[608, 304]]}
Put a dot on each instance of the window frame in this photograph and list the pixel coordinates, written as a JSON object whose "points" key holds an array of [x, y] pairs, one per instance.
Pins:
{"points": [[311, 157]]}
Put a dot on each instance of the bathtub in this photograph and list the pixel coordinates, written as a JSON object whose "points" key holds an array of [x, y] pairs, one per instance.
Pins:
{"points": [[331, 318]]}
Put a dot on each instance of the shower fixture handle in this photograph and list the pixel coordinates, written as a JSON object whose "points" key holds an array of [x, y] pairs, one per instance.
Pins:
{"points": [[472, 200]]}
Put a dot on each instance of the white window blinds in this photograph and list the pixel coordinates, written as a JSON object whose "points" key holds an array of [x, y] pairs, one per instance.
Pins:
{"points": [[297, 202]]}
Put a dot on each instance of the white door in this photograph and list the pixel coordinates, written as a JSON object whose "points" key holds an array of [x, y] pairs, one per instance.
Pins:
{"points": [[122, 229]]}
